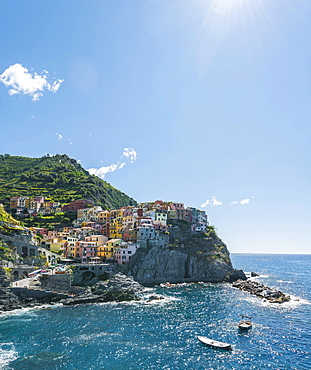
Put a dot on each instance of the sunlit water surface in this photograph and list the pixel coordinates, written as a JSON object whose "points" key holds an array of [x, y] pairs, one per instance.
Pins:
{"points": [[162, 334]]}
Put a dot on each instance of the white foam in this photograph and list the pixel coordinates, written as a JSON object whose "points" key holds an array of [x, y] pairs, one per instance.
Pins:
{"points": [[28, 310], [7, 354], [293, 303], [285, 281]]}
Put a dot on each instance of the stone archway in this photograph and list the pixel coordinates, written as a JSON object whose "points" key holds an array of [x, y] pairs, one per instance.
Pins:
{"points": [[88, 275]]}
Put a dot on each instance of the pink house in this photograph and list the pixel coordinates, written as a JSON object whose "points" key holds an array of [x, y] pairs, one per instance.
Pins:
{"points": [[87, 250], [124, 252]]}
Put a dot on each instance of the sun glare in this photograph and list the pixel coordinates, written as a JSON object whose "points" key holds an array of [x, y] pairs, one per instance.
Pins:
{"points": [[218, 19]]}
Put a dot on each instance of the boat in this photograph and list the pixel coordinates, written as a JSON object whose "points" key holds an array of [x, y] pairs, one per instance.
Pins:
{"points": [[245, 324], [38, 272], [214, 343]]}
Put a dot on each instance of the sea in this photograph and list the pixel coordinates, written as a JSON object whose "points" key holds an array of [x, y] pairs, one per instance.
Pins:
{"points": [[162, 334]]}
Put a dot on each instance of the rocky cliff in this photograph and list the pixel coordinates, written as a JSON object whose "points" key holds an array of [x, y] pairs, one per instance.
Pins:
{"points": [[188, 257]]}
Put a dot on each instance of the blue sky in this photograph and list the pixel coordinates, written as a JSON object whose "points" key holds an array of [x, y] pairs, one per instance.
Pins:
{"points": [[198, 101]]}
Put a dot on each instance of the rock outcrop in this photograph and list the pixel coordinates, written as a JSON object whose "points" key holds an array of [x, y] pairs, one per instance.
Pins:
{"points": [[4, 280], [119, 288], [189, 257], [262, 291], [8, 300]]}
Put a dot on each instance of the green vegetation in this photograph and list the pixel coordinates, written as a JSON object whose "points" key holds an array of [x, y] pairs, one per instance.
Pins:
{"points": [[6, 253], [7, 218], [59, 178], [50, 221], [211, 231]]}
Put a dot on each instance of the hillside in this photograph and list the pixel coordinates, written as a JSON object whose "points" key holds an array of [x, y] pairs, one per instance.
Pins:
{"points": [[59, 178], [7, 218]]}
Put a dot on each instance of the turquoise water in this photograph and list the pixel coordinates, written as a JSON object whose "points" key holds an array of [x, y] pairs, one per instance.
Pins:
{"points": [[162, 334]]}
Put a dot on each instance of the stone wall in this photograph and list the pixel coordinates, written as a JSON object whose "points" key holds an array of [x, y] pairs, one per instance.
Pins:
{"points": [[56, 282]]}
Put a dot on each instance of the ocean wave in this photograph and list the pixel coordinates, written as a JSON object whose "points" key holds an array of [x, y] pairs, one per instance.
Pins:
{"points": [[285, 281], [30, 311], [7, 354]]}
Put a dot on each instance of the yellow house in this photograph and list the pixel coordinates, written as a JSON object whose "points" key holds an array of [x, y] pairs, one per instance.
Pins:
{"points": [[103, 216], [107, 251], [116, 220]]}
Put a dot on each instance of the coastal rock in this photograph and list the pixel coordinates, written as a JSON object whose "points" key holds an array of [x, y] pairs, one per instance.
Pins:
{"points": [[4, 280], [119, 288], [189, 257], [155, 298], [8, 300], [261, 291]]}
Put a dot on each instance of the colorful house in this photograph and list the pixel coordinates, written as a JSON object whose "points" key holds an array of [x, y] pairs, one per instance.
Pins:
{"points": [[124, 252], [107, 251]]}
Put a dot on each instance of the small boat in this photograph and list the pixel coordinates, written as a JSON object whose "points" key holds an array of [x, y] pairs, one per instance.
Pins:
{"points": [[214, 343], [245, 324], [37, 272]]}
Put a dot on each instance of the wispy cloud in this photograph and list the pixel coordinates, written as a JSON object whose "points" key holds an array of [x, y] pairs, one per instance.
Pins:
{"points": [[61, 137], [243, 201], [101, 172], [130, 153], [21, 81], [212, 202]]}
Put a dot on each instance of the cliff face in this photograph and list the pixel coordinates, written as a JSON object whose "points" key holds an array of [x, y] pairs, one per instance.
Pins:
{"points": [[188, 257]]}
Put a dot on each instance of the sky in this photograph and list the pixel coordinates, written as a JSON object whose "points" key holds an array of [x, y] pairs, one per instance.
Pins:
{"points": [[204, 102]]}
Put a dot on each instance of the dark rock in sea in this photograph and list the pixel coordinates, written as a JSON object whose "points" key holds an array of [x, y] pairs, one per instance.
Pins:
{"points": [[155, 298], [236, 275], [254, 274], [262, 291]]}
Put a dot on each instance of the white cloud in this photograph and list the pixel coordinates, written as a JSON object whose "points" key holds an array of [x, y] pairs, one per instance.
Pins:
{"points": [[243, 201], [130, 153], [59, 136], [101, 172], [21, 81], [212, 202], [205, 204], [70, 142]]}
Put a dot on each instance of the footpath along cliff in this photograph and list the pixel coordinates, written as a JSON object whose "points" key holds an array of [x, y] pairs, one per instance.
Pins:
{"points": [[187, 257]]}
